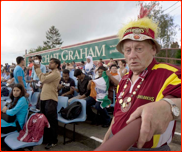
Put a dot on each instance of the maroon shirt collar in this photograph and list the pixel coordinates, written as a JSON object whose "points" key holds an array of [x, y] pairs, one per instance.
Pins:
{"points": [[145, 72]]}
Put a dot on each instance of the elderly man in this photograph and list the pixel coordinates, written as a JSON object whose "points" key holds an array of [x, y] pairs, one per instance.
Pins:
{"points": [[150, 90]]}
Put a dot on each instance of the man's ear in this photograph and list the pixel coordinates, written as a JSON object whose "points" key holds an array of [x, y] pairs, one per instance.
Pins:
{"points": [[154, 50]]}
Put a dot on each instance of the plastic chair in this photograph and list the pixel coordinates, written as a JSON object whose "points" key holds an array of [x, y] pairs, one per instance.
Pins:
{"points": [[62, 102], [114, 98], [33, 102], [81, 118], [4, 135], [30, 95], [13, 143]]}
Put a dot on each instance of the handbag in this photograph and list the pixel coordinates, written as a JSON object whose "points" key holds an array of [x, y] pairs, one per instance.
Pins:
{"points": [[8, 118]]}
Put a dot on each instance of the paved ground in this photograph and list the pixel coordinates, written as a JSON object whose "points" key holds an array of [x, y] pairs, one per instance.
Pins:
{"points": [[89, 137]]}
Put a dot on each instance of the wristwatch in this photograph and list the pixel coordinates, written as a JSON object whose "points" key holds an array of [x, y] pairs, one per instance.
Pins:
{"points": [[174, 108]]}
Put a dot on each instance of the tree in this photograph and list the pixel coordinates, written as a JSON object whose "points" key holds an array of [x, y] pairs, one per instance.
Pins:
{"points": [[53, 38], [31, 51], [39, 48], [167, 27]]}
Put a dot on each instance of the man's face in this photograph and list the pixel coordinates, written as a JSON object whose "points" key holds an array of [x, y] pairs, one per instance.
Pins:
{"points": [[36, 58], [114, 69], [7, 73], [23, 62], [30, 59], [138, 55], [79, 77], [52, 65], [100, 72], [111, 60], [65, 76]]}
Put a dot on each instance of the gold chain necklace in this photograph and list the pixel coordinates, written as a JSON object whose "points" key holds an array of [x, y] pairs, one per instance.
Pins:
{"points": [[123, 104]]}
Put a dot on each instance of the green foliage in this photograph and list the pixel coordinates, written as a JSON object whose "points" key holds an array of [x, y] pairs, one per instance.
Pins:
{"points": [[167, 27], [178, 55], [53, 38]]}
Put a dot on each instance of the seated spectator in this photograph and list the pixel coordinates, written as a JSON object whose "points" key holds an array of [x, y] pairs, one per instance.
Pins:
{"points": [[18, 107], [89, 67], [34, 77], [7, 66], [64, 65], [105, 118], [3, 73], [122, 68], [6, 76], [65, 85], [83, 81], [73, 64], [69, 66], [114, 72], [99, 64], [82, 64], [2, 67], [111, 62], [10, 82]]}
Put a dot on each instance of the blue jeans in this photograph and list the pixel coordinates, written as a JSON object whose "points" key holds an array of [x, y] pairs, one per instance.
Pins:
{"points": [[103, 112]]}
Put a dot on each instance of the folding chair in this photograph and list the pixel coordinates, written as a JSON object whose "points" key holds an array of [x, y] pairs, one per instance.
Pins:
{"points": [[81, 118], [33, 102]]}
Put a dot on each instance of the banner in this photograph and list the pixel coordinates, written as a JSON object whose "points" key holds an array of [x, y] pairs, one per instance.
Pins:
{"points": [[104, 48]]}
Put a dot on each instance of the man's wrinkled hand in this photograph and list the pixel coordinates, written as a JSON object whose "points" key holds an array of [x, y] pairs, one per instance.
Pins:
{"points": [[155, 120]]}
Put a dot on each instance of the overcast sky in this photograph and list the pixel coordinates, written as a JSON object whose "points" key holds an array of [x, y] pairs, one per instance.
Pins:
{"points": [[24, 24]]}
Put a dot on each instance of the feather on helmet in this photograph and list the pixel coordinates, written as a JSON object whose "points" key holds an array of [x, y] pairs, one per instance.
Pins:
{"points": [[141, 29]]}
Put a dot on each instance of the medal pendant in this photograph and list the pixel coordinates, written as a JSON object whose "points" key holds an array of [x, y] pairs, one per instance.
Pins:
{"points": [[129, 99], [125, 106], [121, 101]]}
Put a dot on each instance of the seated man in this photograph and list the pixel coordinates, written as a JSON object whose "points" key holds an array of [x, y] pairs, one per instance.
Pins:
{"points": [[5, 78], [105, 118], [114, 72], [83, 81], [65, 84]]}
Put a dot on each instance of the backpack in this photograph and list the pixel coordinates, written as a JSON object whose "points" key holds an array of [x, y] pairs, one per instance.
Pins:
{"points": [[4, 92], [72, 111]]}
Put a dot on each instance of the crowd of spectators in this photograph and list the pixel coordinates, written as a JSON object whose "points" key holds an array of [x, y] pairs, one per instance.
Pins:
{"points": [[72, 80]]}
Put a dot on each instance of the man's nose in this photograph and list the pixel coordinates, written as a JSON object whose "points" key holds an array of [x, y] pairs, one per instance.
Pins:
{"points": [[132, 54]]}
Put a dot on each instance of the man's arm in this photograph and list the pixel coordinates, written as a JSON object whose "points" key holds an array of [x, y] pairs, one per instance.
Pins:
{"points": [[109, 131], [89, 85], [44, 78], [115, 81], [20, 80], [155, 119], [68, 93]]}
